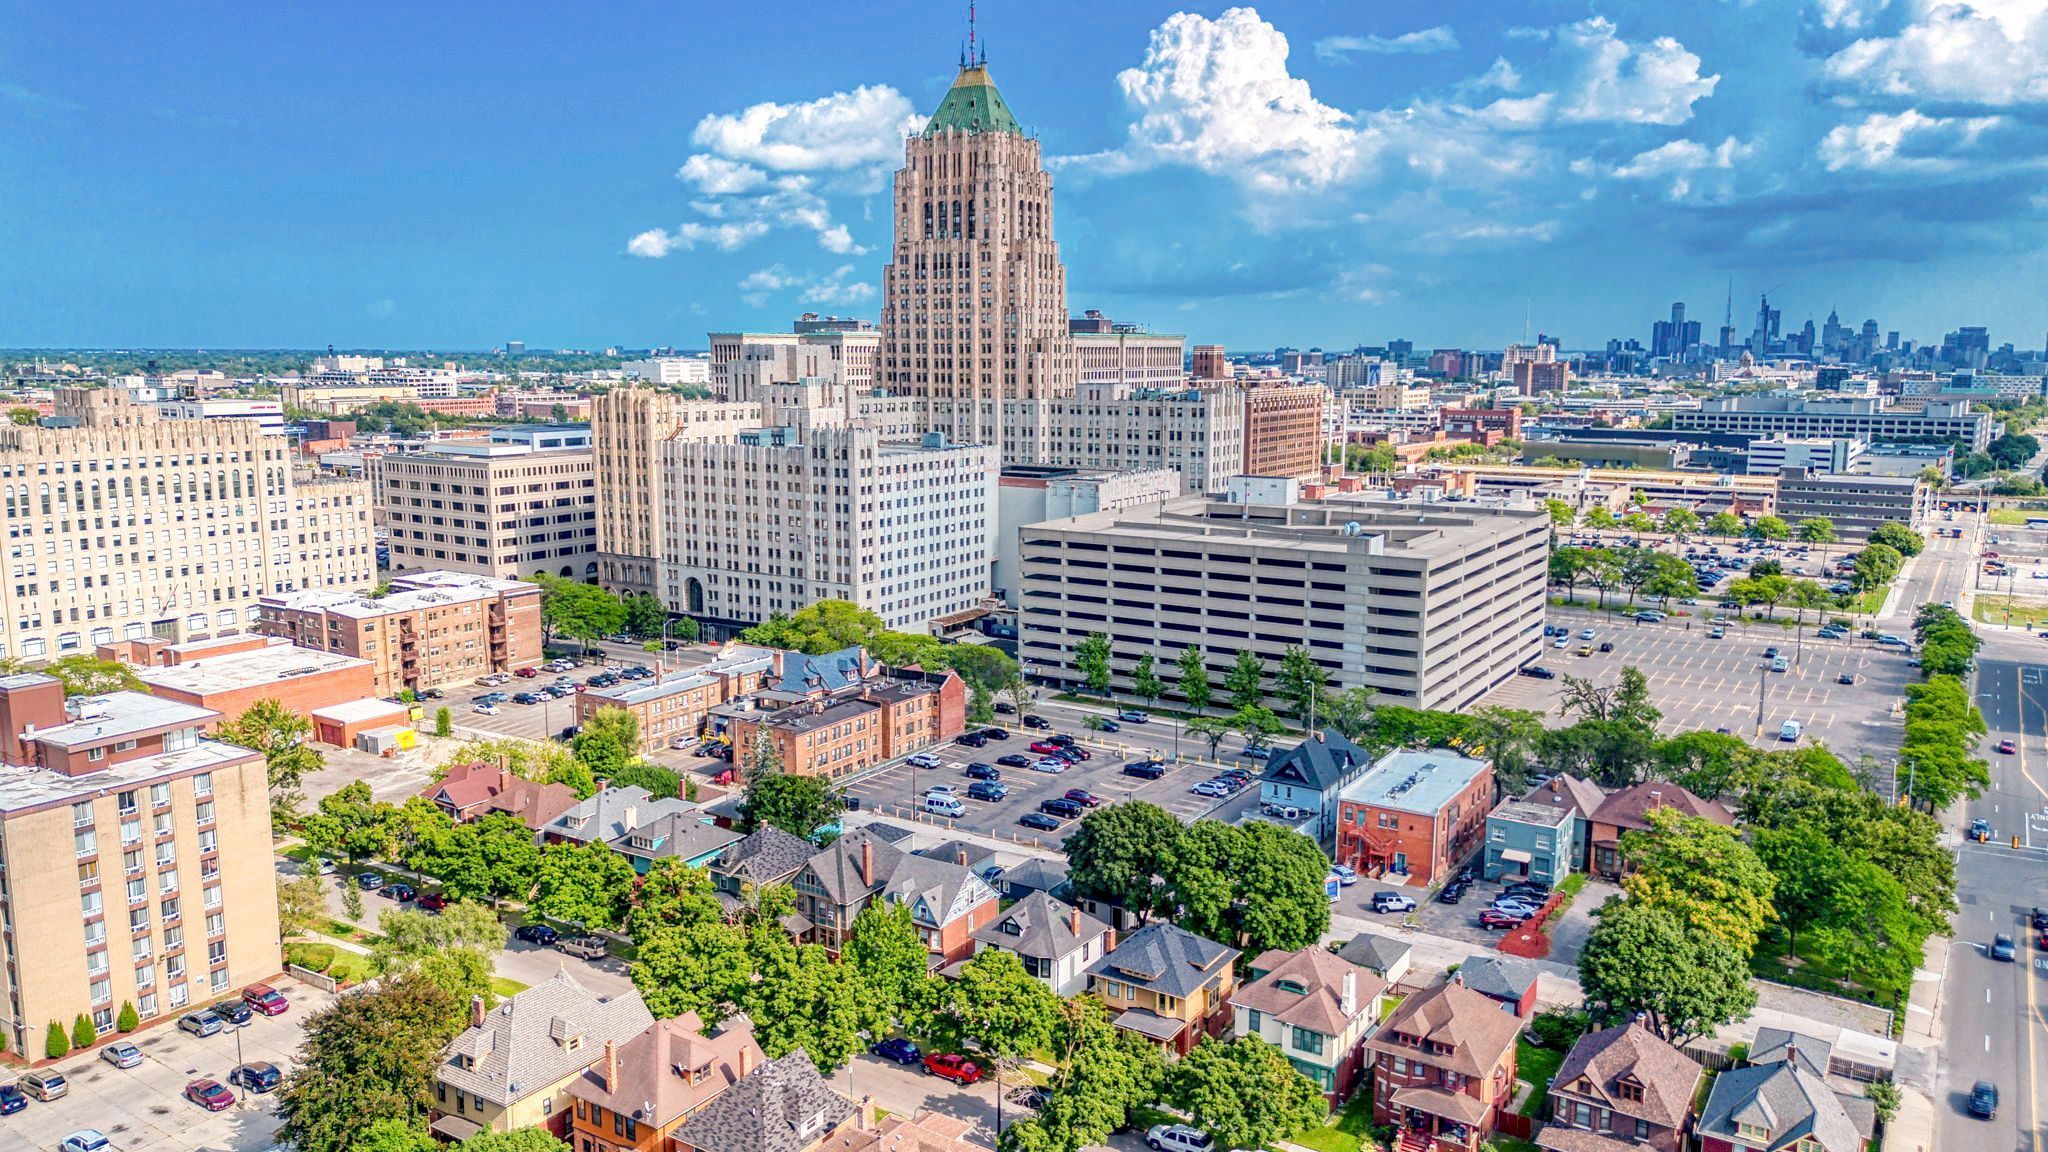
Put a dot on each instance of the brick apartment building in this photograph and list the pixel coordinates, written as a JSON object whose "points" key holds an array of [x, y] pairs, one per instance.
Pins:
{"points": [[433, 629], [678, 706], [1416, 813], [1283, 429], [839, 713]]}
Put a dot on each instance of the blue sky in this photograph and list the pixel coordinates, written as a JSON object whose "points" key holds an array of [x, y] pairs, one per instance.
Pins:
{"points": [[458, 174]]}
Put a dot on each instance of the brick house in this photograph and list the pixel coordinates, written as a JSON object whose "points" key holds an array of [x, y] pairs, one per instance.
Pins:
{"points": [[1167, 984], [1621, 1088], [947, 901], [1443, 1068], [1415, 813], [1629, 811], [640, 1091], [471, 791]]}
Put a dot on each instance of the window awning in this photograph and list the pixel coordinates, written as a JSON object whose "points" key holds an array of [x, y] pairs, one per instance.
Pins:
{"points": [[455, 1128], [1515, 856]]}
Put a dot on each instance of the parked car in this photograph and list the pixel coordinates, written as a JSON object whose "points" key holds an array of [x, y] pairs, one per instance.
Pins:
{"points": [[1014, 760], [211, 1095], [952, 1066], [201, 1023], [1052, 764], [996, 733], [1211, 788], [979, 771], [369, 881], [1145, 769], [45, 1084], [1846, 678], [485, 709], [258, 1077], [1539, 672], [1044, 747], [12, 1099], [1392, 902], [431, 902], [1040, 821], [1061, 807], [265, 999], [1134, 716], [1006, 708], [1607, 645], [1984, 1100], [944, 804], [1177, 1138], [2039, 918], [536, 934], [526, 698], [990, 790], [1493, 918], [897, 1049], [2002, 948], [1084, 797], [925, 760], [1516, 907], [1451, 893], [233, 1012], [1346, 875], [582, 947], [1031, 721], [121, 1054], [971, 740], [400, 892], [86, 1140], [1586, 635]]}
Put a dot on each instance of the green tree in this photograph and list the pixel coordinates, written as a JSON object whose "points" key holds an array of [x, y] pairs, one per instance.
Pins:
{"points": [[1884, 1099], [1124, 854], [1942, 729], [1019, 693], [1004, 1009], [608, 741], [1704, 873], [491, 859], [672, 894], [1568, 566], [284, 737], [1817, 530], [1561, 513], [1638, 523], [1250, 884], [1091, 660], [1255, 724], [815, 629], [56, 1044], [582, 612], [128, 1020], [1724, 524], [1769, 528], [82, 1032], [645, 615], [1600, 518], [408, 935], [1211, 729], [368, 1055], [1510, 737], [1104, 1076], [1603, 571], [1193, 681], [301, 903], [351, 901], [762, 757], [85, 675], [1899, 538], [519, 1139], [1245, 1093], [799, 805], [1145, 682], [1644, 957], [23, 416], [587, 884], [1702, 762], [702, 967], [982, 667], [806, 1000], [1349, 712], [891, 958], [661, 783], [1680, 521], [444, 722], [391, 1135], [1301, 681], [1246, 681], [1875, 566], [350, 823]]}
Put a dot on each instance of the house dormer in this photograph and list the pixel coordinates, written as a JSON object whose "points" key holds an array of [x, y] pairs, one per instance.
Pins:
{"points": [[566, 1033]]}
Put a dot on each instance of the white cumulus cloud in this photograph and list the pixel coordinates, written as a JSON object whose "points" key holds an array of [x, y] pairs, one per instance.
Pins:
{"points": [[1680, 160], [844, 130], [1909, 141], [1983, 53], [1340, 49], [1653, 82], [839, 287], [717, 176]]}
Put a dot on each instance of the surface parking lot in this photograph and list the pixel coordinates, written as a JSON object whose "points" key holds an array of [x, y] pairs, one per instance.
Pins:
{"points": [[143, 1109], [1701, 683], [898, 790]]}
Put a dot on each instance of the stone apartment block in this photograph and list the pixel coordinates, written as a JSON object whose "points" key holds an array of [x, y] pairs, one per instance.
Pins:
{"points": [[1283, 429], [135, 862], [1856, 505], [123, 525], [627, 427], [432, 630], [495, 509]]}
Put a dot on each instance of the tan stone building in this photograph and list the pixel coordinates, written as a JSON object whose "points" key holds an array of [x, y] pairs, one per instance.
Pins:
{"points": [[1283, 429], [135, 862], [123, 525], [494, 509], [434, 629], [627, 427]]}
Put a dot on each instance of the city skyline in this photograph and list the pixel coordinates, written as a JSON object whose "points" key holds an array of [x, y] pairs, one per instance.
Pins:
{"points": [[1289, 175]]}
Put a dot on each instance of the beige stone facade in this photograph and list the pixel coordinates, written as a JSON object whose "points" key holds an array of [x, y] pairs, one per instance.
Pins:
{"points": [[123, 525], [433, 630], [494, 509], [627, 426], [135, 856]]}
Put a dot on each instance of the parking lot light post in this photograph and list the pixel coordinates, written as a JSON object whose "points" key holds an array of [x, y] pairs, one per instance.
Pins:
{"points": [[1762, 678]]}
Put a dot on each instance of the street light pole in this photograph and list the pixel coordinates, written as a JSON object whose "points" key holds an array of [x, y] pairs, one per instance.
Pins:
{"points": [[1762, 678]]}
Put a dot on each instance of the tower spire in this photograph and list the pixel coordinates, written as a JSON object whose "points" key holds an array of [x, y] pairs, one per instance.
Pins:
{"points": [[970, 35]]}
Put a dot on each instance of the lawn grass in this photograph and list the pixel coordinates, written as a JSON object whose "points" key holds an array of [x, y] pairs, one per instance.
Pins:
{"points": [[2009, 517], [349, 968], [1537, 1066], [343, 930], [1815, 972], [504, 986], [313, 957], [1347, 1128], [2010, 610]]}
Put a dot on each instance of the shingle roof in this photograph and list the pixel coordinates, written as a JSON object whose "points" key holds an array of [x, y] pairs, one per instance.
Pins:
{"points": [[1630, 807], [540, 1036], [1375, 953], [1478, 1033], [1320, 763], [684, 835], [802, 674], [1496, 978], [1773, 1045], [937, 891], [1319, 1006], [1567, 791], [949, 851], [925, 1132], [1041, 927], [768, 855], [1668, 1077], [673, 1066], [612, 813], [1784, 1099], [1035, 875], [781, 1106], [1165, 959]]}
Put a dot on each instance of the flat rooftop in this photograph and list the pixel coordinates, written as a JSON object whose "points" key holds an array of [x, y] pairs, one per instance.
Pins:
{"points": [[1532, 813], [251, 669], [25, 787], [96, 719], [812, 721], [1410, 781], [1383, 527], [410, 593]]}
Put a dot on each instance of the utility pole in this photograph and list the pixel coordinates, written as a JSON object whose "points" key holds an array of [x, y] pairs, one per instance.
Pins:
{"points": [[1762, 678]]}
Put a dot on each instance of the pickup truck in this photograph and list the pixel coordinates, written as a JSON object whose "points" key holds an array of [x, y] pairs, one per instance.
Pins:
{"points": [[582, 947]]}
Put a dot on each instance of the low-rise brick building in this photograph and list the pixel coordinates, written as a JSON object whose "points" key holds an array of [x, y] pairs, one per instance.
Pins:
{"points": [[679, 706], [1416, 813], [233, 673], [432, 630], [841, 713], [1443, 1068]]}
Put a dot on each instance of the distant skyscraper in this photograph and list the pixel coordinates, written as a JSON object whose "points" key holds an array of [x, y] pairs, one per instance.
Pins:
{"points": [[974, 305], [1211, 363], [1676, 337]]}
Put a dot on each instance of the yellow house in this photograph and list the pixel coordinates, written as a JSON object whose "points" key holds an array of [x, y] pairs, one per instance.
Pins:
{"points": [[512, 1066]]}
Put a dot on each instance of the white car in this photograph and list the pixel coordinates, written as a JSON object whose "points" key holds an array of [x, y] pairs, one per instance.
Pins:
{"points": [[85, 1140], [939, 790], [1563, 642], [1177, 1138], [1052, 764], [486, 709], [923, 760], [1586, 634]]}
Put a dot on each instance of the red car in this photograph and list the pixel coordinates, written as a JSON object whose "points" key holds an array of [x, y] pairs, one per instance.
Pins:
{"points": [[529, 673], [433, 902], [1084, 797], [1044, 747], [1491, 919], [2008, 747], [211, 1095], [265, 999], [948, 1066]]}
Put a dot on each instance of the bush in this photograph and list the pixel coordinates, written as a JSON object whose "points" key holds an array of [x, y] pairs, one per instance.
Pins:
{"points": [[56, 1045], [312, 957], [444, 722], [1558, 1030], [127, 1021], [82, 1032]]}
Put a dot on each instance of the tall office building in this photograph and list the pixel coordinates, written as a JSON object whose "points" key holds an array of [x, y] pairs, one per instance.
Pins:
{"points": [[492, 508], [974, 297], [1676, 337], [1211, 362], [627, 427]]}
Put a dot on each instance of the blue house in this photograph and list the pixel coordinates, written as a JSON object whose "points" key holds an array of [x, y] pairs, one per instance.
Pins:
{"points": [[1302, 782], [1543, 835]]}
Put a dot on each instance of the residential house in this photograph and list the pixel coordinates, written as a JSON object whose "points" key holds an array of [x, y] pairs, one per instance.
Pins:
{"points": [[1167, 984], [925, 1132], [1783, 1105], [1619, 1089], [1443, 1068], [472, 791], [965, 853], [1303, 781], [781, 1106], [1629, 811], [610, 815], [1383, 956], [947, 901], [636, 1094], [1316, 1008], [1055, 941], [687, 836], [512, 1066], [1526, 840], [1415, 813], [1034, 875], [1580, 797], [1508, 983], [767, 857]]}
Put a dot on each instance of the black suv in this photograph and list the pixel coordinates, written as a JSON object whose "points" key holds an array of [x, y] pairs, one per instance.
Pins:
{"points": [[1061, 807], [1145, 769]]}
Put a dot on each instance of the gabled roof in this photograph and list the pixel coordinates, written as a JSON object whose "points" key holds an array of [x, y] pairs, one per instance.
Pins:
{"points": [[837, 869], [1320, 763], [684, 835], [1776, 1045], [1376, 953], [612, 813], [925, 1132], [1567, 791], [673, 1066], [540, 1036], [1786, 1100], [938, 892], [1479, 1035], [1166, 959], [767, 856], [1496, 978], [949, 851], [471, 786], [1629, 808], [1041, 927], [1630, 1052], [830, 672], [781, 1106], [1035, 875], [973, 105], [1305, 989]]}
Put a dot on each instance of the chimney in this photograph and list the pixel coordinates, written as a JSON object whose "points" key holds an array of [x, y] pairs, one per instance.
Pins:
{"points": [[611, 1066], [1319, 737], [1074, 921], [632, 817], [1348, 1002], [1791, 1053], [861, 1114], [1656, 797], [476, 1011], [867, 862], [960, 857], [1109, 942], [746, 1060]]}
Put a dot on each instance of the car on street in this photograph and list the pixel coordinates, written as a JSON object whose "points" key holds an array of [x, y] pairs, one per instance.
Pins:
{"points": [[979, 771], [1392, 902], [265, 999], [1101, 725], [582, 947], [1006, 708], [1345, 873], [1984, 1100], [1145, 769], [897, 1049], [2002, 948], [1177, 1138], [121, 1054], [1061, 807], [1980, 831], [257, 1076], [1084, 798], [86, 1140], [2038, 917], [1134, 716], [2008, 747], [1493, 918], [11, 1100], [1014, 760], [1031, 721], [1052, 764], [1040, 821], [211, 1095], [990, 790], [201, 1023], [952, 1066], [233, 1012], [536, 934]]}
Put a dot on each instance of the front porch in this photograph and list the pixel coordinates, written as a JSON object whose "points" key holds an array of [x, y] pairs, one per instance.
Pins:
{"points": [[1433, 1120]]}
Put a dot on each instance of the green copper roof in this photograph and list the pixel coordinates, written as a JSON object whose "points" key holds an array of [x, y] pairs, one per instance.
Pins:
{"points": [[973, 105]]}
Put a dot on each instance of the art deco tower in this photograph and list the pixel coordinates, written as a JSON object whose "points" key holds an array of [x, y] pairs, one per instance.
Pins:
{"points": [[974, 307]]}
